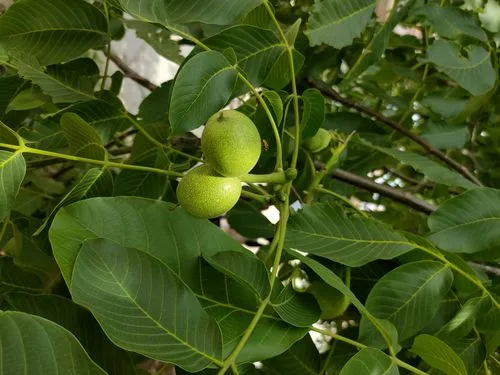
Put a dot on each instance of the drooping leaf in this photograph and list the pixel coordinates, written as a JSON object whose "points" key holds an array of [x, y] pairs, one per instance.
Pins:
{"points": [[12, 171], [202, 87], [302, 358], [64, 83], [247, 220], [257, 50], [83, 139], [220, 12], [135, 297], [456, 223], [314, 112], [178, 241], [408, 296], [438, 354], [337, 22], [68, 29], [9, 88], [463, 322], [373, 360], [80, 323], [27, 99], [451, 22], [473, 72], [431, 169], [324, 229]]}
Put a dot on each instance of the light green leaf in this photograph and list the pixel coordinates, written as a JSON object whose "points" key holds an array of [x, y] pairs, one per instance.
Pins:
{"points": [[78, 192], [135, 297], [432, 170], [438, 354], [408, 296], [202, 87], [243, 267], [27, 99], [323, 229], [80, 323], [338, 22], [456, 223], [257, 50], [65, 83], [301, 359], [473, 72], [33, 345], [444, 106], [463, 322], [445, 136], [158, 38], [12, 171], [83, 139], [178, 241], [314, 112], [169, 12], [68, 29], [451, 22], [370, 361]]}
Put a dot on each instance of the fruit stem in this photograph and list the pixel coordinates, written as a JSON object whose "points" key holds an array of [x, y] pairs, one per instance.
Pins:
{"points": [[270, 178]]}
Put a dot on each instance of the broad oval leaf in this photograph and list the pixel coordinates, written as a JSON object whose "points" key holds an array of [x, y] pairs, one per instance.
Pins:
{"points": [[256, 49], [323, 229], [438, 354], [33, 345], [135, 298], [373, 360], [408, 296], [456, 223], [220, 12], [338, 22], [12, 171], [473, 72], [202, 87], [178, 241], [68, 29]]}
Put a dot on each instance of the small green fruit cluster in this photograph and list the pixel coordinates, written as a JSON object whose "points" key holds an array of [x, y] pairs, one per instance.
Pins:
{"points": [[231, 146]]}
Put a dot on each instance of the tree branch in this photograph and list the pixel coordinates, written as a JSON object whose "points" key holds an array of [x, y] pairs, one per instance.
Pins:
{"points": [[132, 74], [332, 94], [384, 190]]}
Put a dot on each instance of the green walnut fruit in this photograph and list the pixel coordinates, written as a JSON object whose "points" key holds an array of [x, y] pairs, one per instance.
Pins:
{"points": [[206, 194], [231, 143], [319, 141]]}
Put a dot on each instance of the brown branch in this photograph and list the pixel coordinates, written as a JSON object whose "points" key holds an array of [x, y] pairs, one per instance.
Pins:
{"points": [[384, 190], [132, 74], [486, 268], [332, 94]]}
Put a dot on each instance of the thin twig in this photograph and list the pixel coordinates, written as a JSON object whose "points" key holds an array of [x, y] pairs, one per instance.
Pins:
{"points": [[132, 74], [384, 190], [332, 94], [486, 268]]}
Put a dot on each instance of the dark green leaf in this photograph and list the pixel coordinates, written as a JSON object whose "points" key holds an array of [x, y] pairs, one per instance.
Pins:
{"points": [[13, 278], [298, 309], [456, 223], [83, 139], [12, 171], [33, 345], [473, 71], [314, 112], [202, 87], [451, 22], [324, 229], [9, 88], [247, 220], [471, 351], [301, 359], [135, 297], [372, 360], [463, 322], [439, 355], [68, 29], [338, 22], [408, 296], [445, 136]]}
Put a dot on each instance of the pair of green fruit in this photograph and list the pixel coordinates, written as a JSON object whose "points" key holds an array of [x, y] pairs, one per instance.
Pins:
{"points": [[231, 145]]}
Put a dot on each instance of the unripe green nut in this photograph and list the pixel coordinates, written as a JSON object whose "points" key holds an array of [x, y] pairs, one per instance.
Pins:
{"points": [[206, 194], [319, 141], [231, 143]]}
